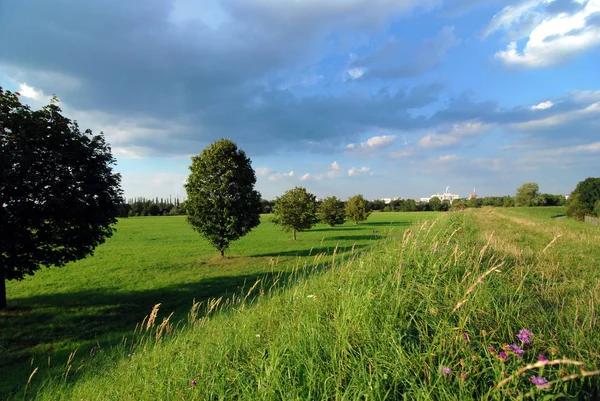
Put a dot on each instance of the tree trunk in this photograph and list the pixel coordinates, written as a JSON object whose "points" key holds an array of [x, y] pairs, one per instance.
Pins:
{"points": [[294, 234], [2, 289], [222, 253]]}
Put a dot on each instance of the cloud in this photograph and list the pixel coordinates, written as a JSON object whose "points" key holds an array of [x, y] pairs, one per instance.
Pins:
{"points": [[398, 154], [445, 158], [263, 171], [281, 176], [356, 72], [354, 172], [586, 112], [457, 134], [373, 143], [560, 30], [305, 177], [543, 106], [32, 93]]}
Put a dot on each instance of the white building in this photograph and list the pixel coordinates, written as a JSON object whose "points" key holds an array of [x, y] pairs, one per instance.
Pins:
{"points": [[445, 196]]}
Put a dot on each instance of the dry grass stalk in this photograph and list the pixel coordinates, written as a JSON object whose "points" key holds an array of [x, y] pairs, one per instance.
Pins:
{"points": [[475, 284], [485, 248], [29, 380], [161, 328], [538, 365], [552, 242], [251, 289], [152, 317], [574, 376]]}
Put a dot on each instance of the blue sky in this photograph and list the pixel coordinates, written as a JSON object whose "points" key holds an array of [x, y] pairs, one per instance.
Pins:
{"points": [[381, 97]]}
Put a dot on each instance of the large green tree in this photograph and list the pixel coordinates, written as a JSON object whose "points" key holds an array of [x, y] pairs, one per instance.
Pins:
{"points": [[583, 198], [331, 211], [356, 209], [435, 204], [222, 203], [59, 196], [527, 194], [295, 210]]}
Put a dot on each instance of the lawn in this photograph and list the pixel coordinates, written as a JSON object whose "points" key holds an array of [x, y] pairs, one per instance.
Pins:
{"points": [[150, 260]]}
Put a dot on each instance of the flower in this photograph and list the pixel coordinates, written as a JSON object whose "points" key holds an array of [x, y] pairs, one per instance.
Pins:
{"points": [[541, 382], [193, 383], [502, 355], [446, 370], [463, 376], [516, 349], [542, 358], [492, 350], [465, 337], [524, 336]]}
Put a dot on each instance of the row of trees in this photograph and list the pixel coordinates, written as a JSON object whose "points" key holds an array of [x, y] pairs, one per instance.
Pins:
{"points": [[149, 207]]}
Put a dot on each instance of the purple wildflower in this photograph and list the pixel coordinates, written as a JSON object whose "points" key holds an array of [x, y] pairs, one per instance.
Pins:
{"points": [[541, 382], [516, 349], [193, 383], [502, 355], [492, 349], [542, 358], [524, 336], [465, 337], [446, 370]]}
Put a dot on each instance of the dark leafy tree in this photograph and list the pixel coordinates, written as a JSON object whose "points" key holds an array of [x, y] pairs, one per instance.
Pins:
{"points": [[356, 209], [222, 203], [435, 204], [583, 198], [295, 210], [331, 211], [410, 205], [59, 196]]}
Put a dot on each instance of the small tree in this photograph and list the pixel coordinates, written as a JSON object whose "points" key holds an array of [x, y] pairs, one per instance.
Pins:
{"points": [[527, 194], [583, 199], [331, 211], [435, 204], [356, 209], [222, 204], [59, 196], [295, 210]]}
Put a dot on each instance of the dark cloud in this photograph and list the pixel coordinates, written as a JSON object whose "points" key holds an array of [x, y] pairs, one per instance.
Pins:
{"points": [[563, 6]]}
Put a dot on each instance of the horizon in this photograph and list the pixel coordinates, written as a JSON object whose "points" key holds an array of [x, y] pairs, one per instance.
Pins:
{"points": [[321, 94]]}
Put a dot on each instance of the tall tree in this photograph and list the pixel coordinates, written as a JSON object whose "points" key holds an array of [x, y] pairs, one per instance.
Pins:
{"points": [[295, 210], [356, 209], [331, 211], [59, 196], [527, 194], [435, 203], [222, 203]]}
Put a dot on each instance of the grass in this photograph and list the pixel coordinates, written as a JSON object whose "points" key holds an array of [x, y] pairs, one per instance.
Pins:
{"points": [[98, 300], [422, 316]]}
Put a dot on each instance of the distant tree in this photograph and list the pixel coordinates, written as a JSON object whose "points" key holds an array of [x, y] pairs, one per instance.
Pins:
{"points": [[508, 201], [435, 204], [377, 204], [331, 211], [445, 205], [458, 204], [475, 202], [295, 210], [597, 208], [154, 210], [410, 205], [266, 206], [527, 194], [397, 205], [550, 200], [583, 199], [59, 196], [222, 203], [356, 209]]}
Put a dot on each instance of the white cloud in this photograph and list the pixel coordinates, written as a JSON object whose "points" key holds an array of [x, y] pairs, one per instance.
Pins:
{"points": [[559, 119], [445, 158], [401, 153], [333, 172], [30, 92], [543, 106], [305, 177], [280, 176], [457, 134], [356, 72], [354, 172], [350, 146], [373, 143], [260, 171], [554, 39], [335, 166]]}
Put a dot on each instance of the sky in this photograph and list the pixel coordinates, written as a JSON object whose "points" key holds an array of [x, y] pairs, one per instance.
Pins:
{"points": [[385, 98]]}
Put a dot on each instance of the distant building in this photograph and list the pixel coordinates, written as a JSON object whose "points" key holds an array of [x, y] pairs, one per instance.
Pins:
{"points": [[445, 196], [387, 201], [473, 195]]}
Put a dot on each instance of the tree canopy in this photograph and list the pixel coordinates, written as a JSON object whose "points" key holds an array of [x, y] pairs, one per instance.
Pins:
{"points": [[583, 198], [58, 194], [222, 204], [331, 211], [295, 210], [527, 194], [356, 209]]}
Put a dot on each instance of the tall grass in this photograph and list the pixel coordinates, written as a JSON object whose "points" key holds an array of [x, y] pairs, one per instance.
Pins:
{"points": [[432, 315]]}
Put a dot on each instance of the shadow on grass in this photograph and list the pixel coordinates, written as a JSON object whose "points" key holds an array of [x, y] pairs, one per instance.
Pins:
{"points": [[368, 237], [390, 224], [337, 228], [316, 251]]}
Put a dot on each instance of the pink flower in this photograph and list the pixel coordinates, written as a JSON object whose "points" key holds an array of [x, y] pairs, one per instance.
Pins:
{"points": [[541, 382], [446, 370], [542, 358]]}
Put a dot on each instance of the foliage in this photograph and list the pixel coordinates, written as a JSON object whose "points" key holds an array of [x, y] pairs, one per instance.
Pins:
{"points": [[550, 200], [222, 203], [331, 211], [59, 196], [356, 209], [475, 202], [527, 194], [266, 206], [295, 210], [508, 201], [435, 204], [597, 208], [583, 199]]}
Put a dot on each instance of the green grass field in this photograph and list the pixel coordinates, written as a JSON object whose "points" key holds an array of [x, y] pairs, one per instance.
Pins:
{"points": [[154, 260], [429, 312]]}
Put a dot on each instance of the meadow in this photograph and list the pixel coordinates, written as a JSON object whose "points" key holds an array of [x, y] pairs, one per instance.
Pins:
{"points": [[149, 260], [482, 304]]}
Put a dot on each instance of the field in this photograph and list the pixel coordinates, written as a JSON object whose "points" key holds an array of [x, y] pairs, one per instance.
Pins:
{"points": [[431, 311], [154, 260]]}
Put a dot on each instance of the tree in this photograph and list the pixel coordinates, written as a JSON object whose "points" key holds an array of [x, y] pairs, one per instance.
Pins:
{"points": [[332, 212], [59, 196], [527, 194], [295, 210], [356, 209], [222, 204], [435, 204], [583, 199]]}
